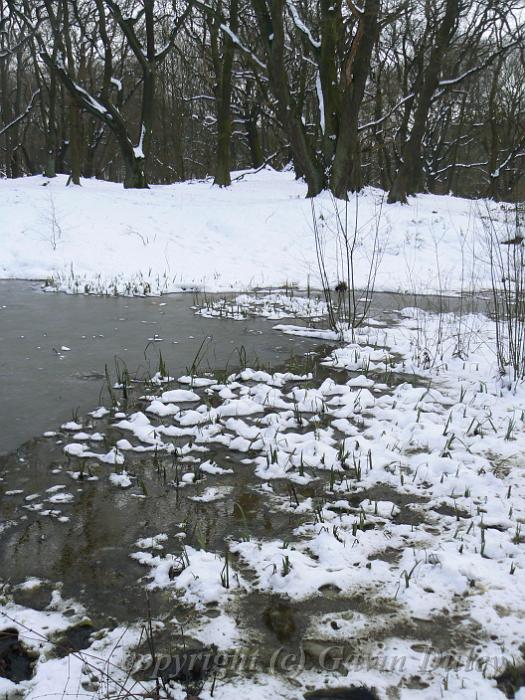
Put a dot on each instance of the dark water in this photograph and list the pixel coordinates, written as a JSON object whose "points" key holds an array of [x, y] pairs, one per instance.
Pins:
{"points": [[42, 386]]}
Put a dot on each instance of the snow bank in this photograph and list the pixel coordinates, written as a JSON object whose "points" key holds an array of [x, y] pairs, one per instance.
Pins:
{"points": [[100, 238]]}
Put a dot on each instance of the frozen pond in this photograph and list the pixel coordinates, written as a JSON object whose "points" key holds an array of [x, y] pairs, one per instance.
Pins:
{"points": [[43, 384], [360, 499]]}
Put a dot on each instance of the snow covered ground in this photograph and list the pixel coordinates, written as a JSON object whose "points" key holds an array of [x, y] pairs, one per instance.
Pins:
{"points": [[258, 233], [399, 470], [403, 472]]}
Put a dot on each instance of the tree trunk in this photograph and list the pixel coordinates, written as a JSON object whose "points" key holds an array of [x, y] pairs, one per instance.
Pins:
{"points": [[222, 170], [74, 142], [51, 132], [73, 112], [327, 86], [224, 95], [16, 170], [5, 111], [385, 177], [408, 179], [135, 178], [254, 143], [494, 132], [304, 154], [346, 171]]}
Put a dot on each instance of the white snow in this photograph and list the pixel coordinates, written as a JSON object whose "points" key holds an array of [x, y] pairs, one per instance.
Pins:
{"points": [[104, 661], [438, 443], [99, 412], [77, 449], [152, 542], [189, 235], [428, 467], [448, 442], [121, 480], [179, 396]]}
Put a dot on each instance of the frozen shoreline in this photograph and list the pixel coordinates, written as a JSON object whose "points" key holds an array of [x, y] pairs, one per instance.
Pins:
{"points": [[401, 475], [100, 238]]}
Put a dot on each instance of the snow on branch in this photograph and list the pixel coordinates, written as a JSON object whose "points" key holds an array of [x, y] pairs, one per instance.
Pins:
{"points": [[464, 166], [138, 150], [83, 96], [301, 26], [458, 79], [369, 125], [227, 30], [193, 98], [21, 116], [320, 99], [117, 83], [91, 102], [355, 9], [502, 166]]}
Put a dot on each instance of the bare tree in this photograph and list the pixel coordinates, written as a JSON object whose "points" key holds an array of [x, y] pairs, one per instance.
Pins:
{"points": [[411, 96], [134, 150]]}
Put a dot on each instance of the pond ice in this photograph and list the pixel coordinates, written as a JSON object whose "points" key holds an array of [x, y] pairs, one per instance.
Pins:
{"points": [[418, 458]]}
